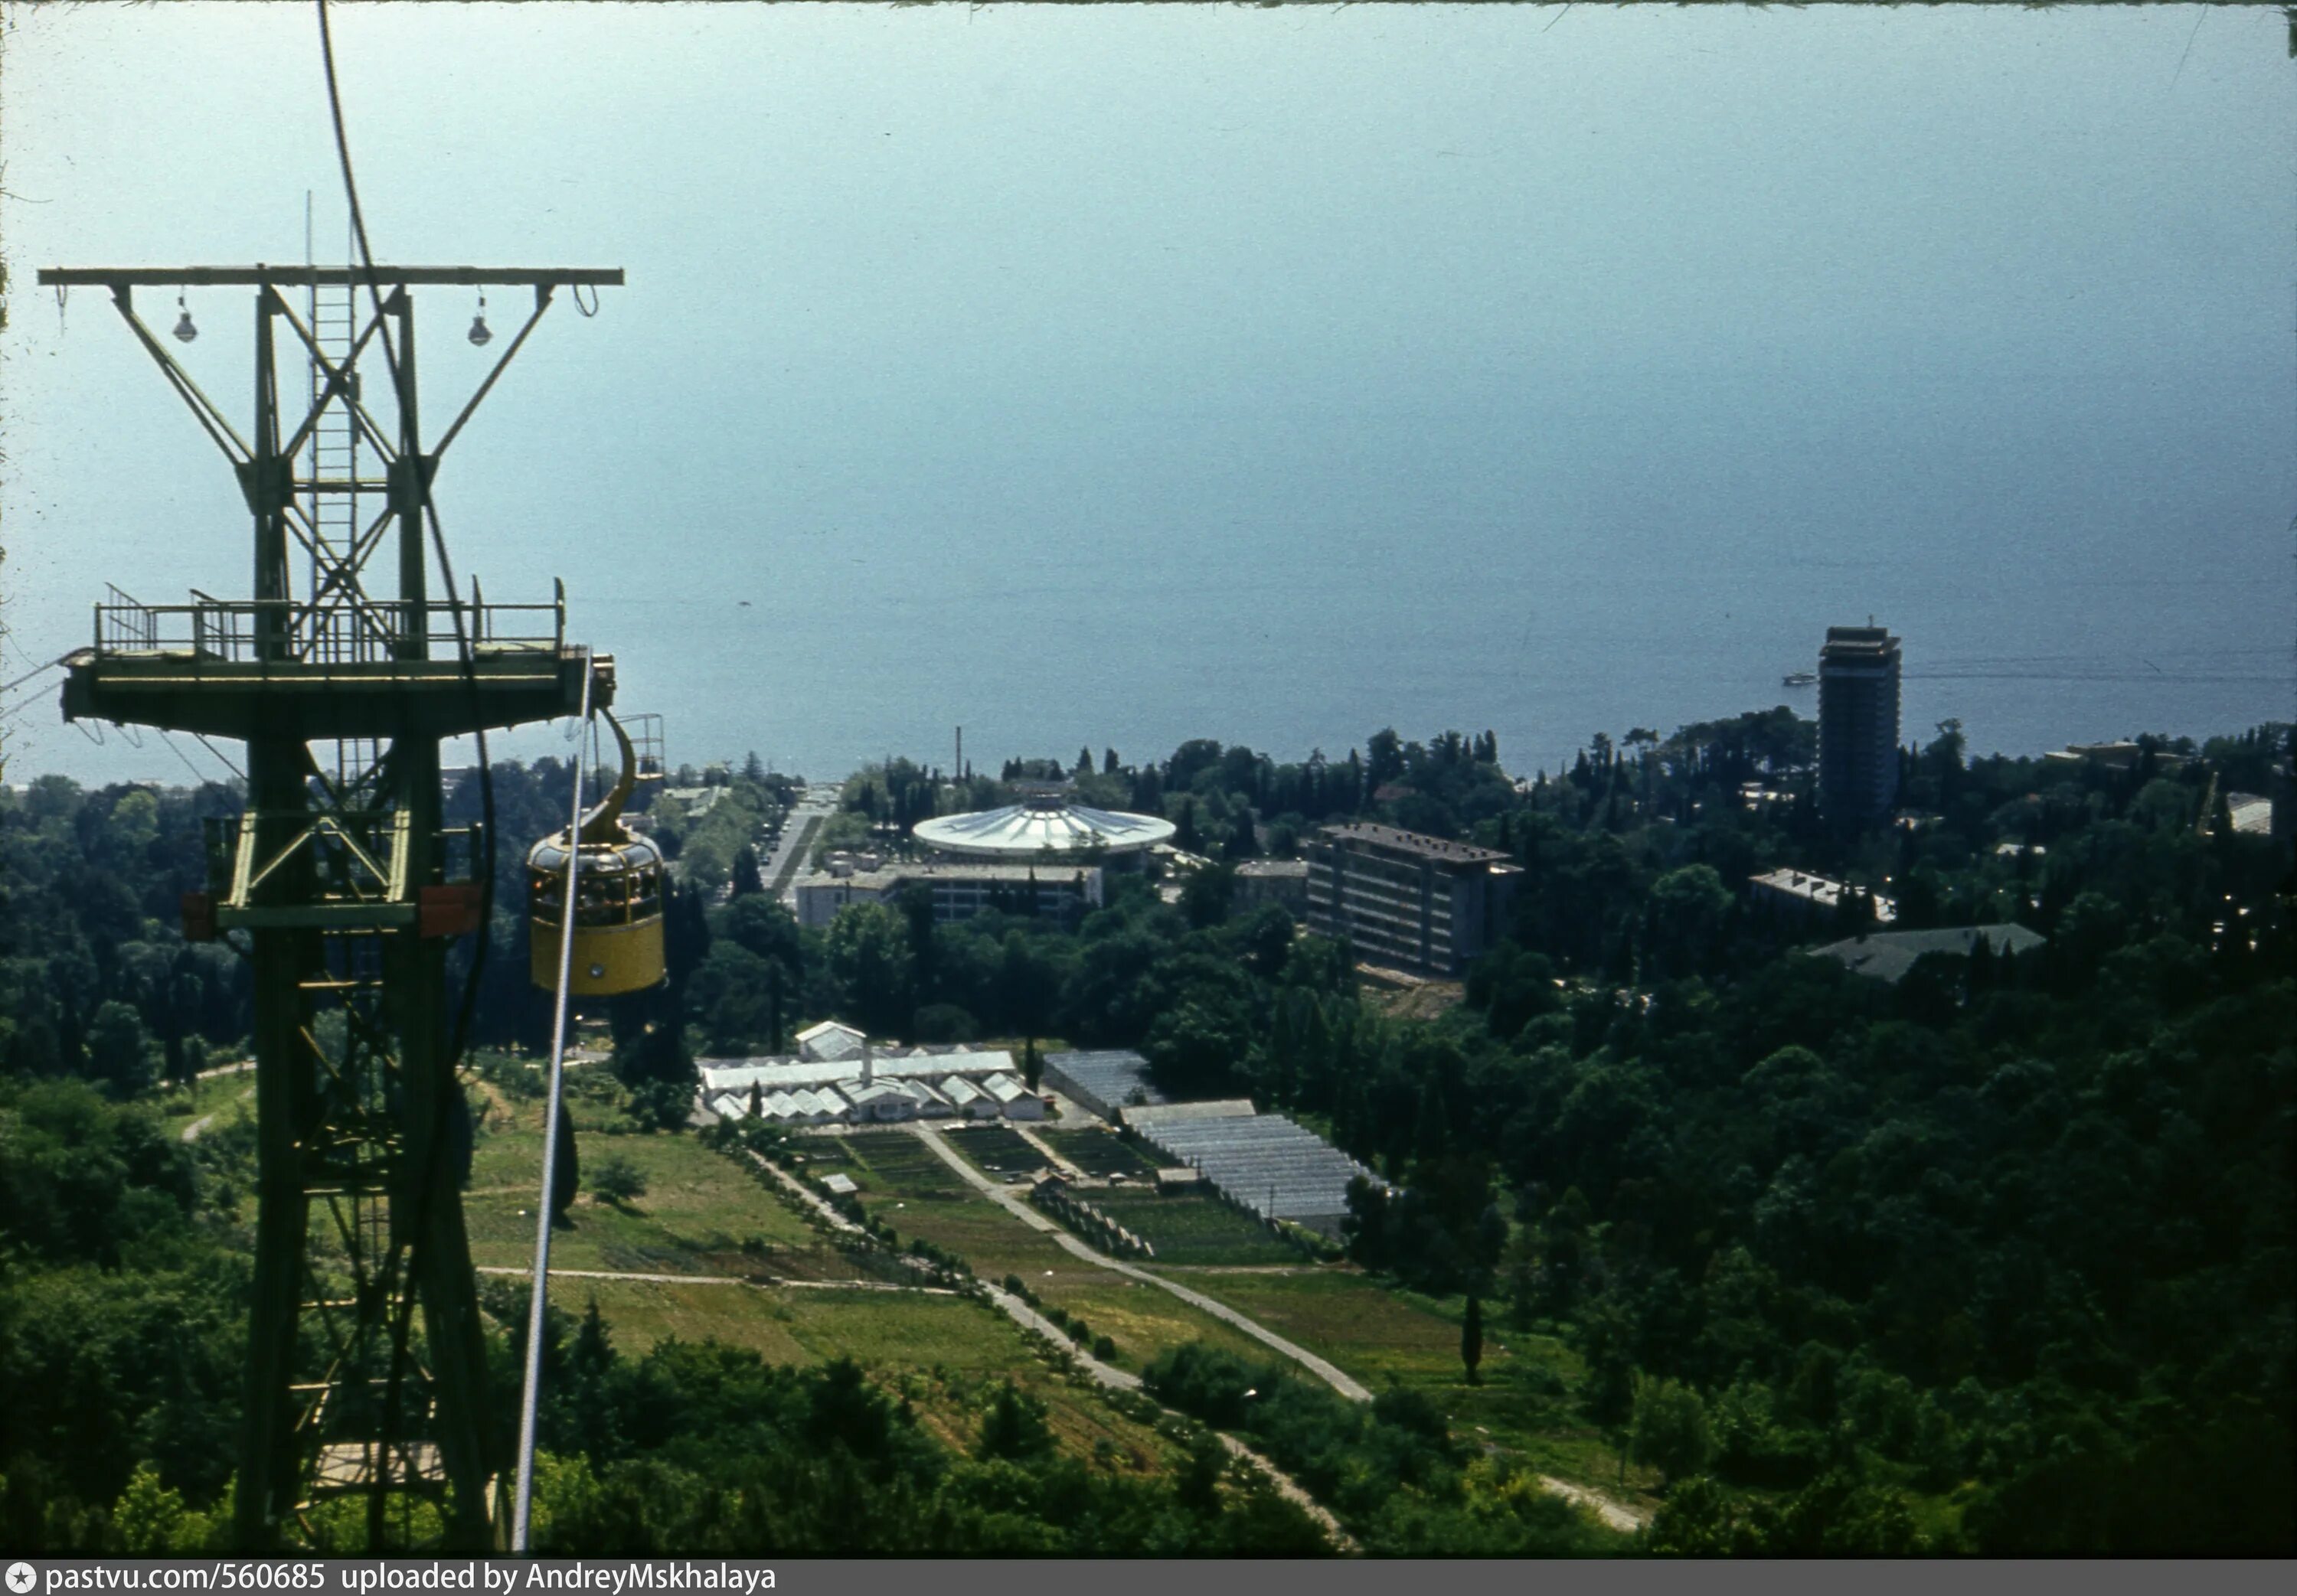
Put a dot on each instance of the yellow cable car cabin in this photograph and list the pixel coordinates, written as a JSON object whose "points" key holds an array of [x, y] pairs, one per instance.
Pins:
{"points": [[619, 886]]}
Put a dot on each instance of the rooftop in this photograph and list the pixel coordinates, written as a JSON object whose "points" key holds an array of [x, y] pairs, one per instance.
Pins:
{"points": [[785, 1073], [1819, 891], [1021, 831], [1110, 1074], [1442, 849], [1174, 1114], [1858, 645], [1273, 867], [900, 871], [1889, 954]]}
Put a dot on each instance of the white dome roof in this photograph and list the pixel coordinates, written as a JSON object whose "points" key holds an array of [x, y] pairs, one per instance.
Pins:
{"points": [[1020, 831]]}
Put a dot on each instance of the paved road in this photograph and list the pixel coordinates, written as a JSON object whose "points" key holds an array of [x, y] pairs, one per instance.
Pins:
{"points": [[1332, 1376], [799, 828]]}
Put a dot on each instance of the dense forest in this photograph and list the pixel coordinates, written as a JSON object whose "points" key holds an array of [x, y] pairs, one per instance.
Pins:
{"points": [[2018, 1234]]}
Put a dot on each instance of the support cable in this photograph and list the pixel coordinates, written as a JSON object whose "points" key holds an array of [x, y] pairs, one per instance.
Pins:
{"points": [[530, 1401], [30, 675]]}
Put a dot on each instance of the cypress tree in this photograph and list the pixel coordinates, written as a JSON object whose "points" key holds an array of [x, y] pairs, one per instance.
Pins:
{"points": [[1472, 1338], [566, 1172]]}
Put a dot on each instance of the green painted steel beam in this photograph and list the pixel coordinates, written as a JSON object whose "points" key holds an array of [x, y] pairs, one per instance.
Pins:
{"points": [[328, 276]]}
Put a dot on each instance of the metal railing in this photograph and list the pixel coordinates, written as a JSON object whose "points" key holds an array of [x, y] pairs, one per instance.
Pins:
{"points": [[252, 630]]}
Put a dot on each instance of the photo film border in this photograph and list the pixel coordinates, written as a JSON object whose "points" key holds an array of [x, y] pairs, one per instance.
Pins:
{"points": [[958, 1576]]}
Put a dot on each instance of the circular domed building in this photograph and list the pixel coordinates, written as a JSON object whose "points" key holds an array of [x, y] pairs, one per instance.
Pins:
{"points": [[1020, 833]]}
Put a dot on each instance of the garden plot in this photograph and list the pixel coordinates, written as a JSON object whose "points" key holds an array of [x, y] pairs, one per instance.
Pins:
{"points": [[1101, 1154], [999, 1153], [1193, 1227]]}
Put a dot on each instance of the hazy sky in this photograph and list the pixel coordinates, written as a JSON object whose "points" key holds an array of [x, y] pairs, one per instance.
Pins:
{"points": [[947, 327]]}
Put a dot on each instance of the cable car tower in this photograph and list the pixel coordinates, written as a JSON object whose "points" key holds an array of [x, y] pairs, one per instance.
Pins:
{"points": [[345, 881]]}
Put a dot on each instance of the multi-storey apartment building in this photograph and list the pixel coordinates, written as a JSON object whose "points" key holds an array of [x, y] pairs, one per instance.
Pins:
{"points": [[1419, 903], [960, 890], [1857, 723]]}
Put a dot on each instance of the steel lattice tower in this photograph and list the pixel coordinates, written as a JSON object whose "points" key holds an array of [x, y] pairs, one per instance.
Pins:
{"points": [[347, 884]]}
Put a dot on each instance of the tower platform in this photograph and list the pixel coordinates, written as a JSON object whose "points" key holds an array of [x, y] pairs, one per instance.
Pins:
{"points": [[237, 669]]}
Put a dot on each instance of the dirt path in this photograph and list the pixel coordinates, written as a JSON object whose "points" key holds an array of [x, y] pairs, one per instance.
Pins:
{"points": [[664, 1279], [1028, 1318], [1615, 1515], [1331, 1374], [1118, 1379], [192, 1132], [837, 1221], [1050, 1156]]}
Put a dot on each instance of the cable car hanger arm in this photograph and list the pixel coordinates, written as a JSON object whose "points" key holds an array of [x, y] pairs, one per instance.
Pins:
{"points": [[541, 303], [219, 427]]}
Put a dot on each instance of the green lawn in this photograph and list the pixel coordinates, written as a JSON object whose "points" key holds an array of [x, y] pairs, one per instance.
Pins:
{"points": [[699, 1210], [1100, 1154], [945, 1353], [1140, 1319], [1196, 1228], [1525, 1402]]}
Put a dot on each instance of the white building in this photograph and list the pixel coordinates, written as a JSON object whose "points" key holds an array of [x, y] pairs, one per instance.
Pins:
{"points": [[968, 1100], [1802, 893], [831, 1039], [960, 891], [868, 1086], [1013, 1101]]}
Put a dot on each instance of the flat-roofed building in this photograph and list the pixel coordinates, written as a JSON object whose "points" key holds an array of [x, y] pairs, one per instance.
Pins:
{"points": [[960, 890], [1809, 897], [1857, 723], [1423, 904], [1283, 882]]}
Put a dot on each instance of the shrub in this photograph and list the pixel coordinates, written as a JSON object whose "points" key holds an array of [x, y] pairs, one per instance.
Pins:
{"points": [[617, 1180]]}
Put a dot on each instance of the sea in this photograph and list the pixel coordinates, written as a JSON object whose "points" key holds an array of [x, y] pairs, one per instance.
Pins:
{"points": [[1544, 643]]}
